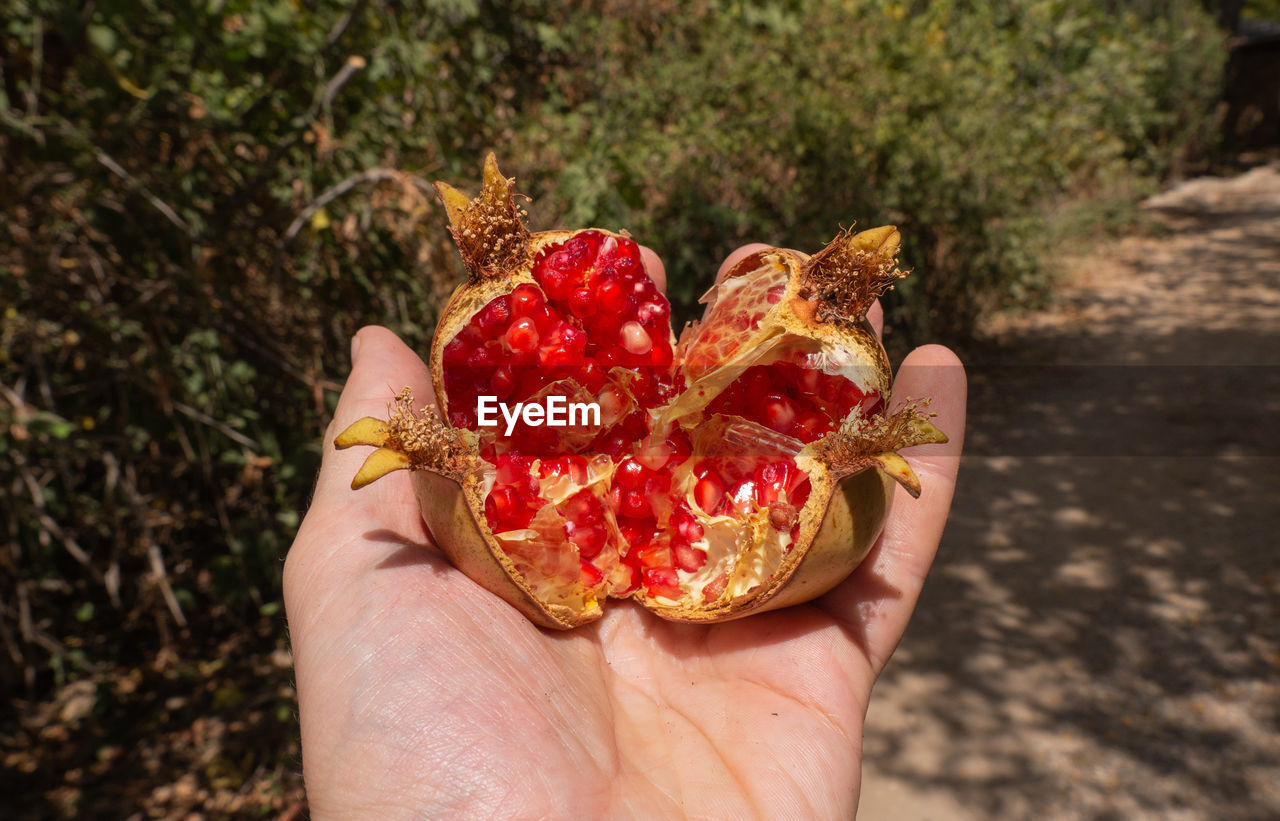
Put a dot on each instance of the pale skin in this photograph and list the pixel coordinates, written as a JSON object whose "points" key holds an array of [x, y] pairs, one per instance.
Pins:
{"points": [[421, 695]]}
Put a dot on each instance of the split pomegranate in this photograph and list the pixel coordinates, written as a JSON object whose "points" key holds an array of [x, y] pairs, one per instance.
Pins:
{"points": [[748, 467]]}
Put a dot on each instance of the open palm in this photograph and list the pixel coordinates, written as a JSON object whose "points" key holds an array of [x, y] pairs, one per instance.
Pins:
{"points": [[423, 695]]}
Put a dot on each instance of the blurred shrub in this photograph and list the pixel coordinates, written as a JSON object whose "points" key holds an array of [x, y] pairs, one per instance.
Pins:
{"points": [[201, 202]]}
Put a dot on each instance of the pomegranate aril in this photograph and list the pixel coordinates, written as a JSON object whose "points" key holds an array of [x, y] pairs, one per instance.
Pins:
{"points": [[810, 425], [589, 540], [773, 480], [653, 313], [456, 352], [634, 504], [558, 284], [503, 382], [545, 319], [503, 508], [657, 484], [662, 582], [809, 380], [634, 339], [609, 358], [653, 454], [582, 303], [709, 492], [613, 296], [494, 317], [642, 384], [689, 530], [630, 475], [680, 448], [800, 493], [522, 336], [779, 413], [613, 444], [575, 467], [715, 589], [592, 377], [525, 300], [635, 531], [559, 357], [482, 358], [688, 558], [590, 575]]}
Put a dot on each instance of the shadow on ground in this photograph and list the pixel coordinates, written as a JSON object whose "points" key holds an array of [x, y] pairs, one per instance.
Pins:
{"points": [[1100, 636]]}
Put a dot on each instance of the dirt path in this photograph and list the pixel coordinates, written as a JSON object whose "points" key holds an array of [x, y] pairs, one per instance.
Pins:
{"points": [[1100, 637]]}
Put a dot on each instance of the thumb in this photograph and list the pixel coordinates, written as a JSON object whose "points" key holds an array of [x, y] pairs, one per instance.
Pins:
{"points": [[381, 365]]}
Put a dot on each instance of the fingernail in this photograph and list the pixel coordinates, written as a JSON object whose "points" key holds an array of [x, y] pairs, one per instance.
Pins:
{"points": [[355, 348]]}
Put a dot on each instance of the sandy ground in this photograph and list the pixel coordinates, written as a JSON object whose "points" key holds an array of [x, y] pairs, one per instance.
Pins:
{"points": [[1100, 636]]}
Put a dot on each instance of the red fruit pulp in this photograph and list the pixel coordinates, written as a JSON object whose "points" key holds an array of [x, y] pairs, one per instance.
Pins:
{"points": [[594, 328]]}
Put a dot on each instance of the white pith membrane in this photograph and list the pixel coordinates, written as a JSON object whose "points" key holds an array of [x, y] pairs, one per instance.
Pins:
{"points": [[742, 547]]}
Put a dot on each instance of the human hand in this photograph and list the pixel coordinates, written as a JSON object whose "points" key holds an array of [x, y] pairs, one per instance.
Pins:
{"points": [[421, 694]]}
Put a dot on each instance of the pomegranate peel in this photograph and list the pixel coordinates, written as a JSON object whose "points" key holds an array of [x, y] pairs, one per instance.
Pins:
{"points": [[748, 466]]}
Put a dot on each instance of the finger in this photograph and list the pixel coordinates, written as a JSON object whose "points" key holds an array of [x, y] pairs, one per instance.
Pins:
{"points": [[875, 315], [654, 268], [737, 256], [876, 602]]}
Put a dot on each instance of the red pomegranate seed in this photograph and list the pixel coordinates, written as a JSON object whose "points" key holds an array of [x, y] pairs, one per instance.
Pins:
{"points": [[503, 382], [456, 352], [635, 505], [680, 448], [662, 582], [709, 492], [809, 426], [613, 297], [653, 313], [589, 540], [715, 589], [493, 318], [688, 558], [557, 283], [634, 532], [482, 358], [582, 303], [525, 300], [800, 493], [608, 358], [771, 482], [592, 377], [590, 575], [545, 319], [635, 339], [522, 336], [779, 412], [809, 380], [657, 484], [630, 475], [503, 507], [559, 357], [689, 529]]}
